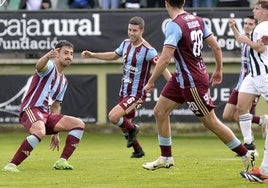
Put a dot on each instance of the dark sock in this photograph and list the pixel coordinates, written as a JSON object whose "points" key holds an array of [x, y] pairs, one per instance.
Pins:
{"points": [[256, 119], [241, 150], [166, 151], [136, 146], [70, 146], [22, 153], [127, 124]]}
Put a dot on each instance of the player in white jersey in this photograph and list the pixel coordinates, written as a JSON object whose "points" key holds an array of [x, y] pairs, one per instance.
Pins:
{"points": [[256, 83], [230, 112]]}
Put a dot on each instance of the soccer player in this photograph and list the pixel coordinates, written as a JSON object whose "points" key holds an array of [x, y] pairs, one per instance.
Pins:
{"points": [[230, 112], [40, 109], [254, 84], [138, 56], [184, 37]]}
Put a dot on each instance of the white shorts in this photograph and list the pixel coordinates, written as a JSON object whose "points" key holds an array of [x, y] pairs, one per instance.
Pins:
{"points": [[257, 85]]}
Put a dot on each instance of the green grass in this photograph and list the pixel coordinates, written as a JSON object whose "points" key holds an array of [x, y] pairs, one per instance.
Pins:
{"points": [[102, 160]]}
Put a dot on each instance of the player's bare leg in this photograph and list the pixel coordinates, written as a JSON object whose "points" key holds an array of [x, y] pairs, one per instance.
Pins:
{"points": [[162, 110]]}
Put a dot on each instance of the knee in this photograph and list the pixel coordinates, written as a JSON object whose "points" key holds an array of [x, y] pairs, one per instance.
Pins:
{"points": [[40, 133], [38, 129], [241, 109], [113, 118], [159, 112], [81, 124]]}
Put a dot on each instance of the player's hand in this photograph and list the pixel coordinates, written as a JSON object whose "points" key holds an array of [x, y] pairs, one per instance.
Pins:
{"points": [[242, 38], [231, 22], [54, 142], [86, 54], [53, 53], [149, 87], [264, 39], [216, 78]]}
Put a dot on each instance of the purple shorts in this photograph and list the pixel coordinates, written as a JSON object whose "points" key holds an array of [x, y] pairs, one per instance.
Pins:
{"points": [[197, 98], [233, 97], [31, 115], [130, 104]]}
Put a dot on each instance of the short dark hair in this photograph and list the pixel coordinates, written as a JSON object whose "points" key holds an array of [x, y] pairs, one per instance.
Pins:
{"points": [[62, 43], [136, 20], [252, 18], [176, 3]]}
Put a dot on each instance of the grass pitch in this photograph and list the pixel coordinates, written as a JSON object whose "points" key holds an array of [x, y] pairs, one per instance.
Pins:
{"points": [[103, 161]]}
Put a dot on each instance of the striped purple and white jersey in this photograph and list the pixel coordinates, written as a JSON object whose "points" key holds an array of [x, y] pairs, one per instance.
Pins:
{"points": [[45, 88], [137, 62], [259, 61], [186, 33], [245, 68]]}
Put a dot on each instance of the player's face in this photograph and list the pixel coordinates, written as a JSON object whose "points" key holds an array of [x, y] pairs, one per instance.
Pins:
{"points": [[134, 33], [249, 25], [260, 13], [65, 56]]}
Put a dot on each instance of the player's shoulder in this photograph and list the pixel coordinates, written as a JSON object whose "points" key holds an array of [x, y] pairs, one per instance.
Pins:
{"points": [[262, 25], [126, 40], [147, 44]]}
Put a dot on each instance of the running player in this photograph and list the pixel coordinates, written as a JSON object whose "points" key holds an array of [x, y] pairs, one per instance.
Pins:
{"points": [[138, 56], [184, 37]]}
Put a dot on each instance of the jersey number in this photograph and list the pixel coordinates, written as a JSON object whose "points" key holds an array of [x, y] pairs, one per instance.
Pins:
{"points": [[130, 100], [192, 106], [197, 38]]}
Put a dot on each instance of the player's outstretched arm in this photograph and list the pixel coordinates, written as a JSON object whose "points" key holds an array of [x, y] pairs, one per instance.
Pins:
{"points": [[101, 55], [237, 34], [41, 64]]}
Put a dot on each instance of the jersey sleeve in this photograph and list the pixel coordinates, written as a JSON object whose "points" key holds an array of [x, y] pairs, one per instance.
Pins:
{"points": [[152, 55], [207, 31], [50, 66], [173, 34], [261, 30], [119, 50]]}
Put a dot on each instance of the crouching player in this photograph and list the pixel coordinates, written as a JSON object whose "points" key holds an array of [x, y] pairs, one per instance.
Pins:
{"points": [[40, 109]]}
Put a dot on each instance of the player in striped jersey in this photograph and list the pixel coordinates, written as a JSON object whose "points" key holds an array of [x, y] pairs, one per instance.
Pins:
{"points": [[230, 112], [138, 56], [256, 83], [40, 109], [184, 37]]}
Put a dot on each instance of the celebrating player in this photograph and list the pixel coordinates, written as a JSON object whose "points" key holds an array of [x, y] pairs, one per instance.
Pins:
{"points": [[40, 109], [254, 84], [184, 37], [138, 56], [230, 112]]}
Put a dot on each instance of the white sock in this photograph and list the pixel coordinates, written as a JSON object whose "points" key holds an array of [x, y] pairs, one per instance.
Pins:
{"points": [[168, 159], [245, 125], [261, 121], [264, 164]]}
